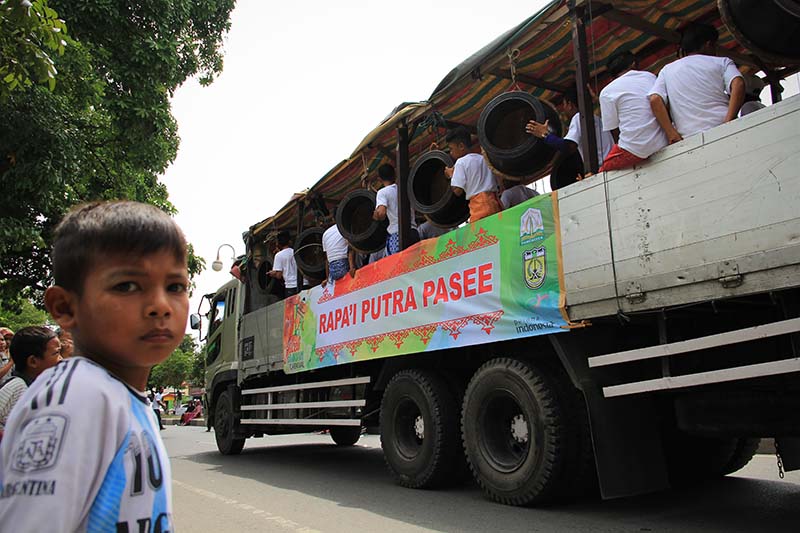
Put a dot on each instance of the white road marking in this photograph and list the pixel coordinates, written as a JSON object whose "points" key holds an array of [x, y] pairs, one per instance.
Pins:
{"points": [[266, 515]]}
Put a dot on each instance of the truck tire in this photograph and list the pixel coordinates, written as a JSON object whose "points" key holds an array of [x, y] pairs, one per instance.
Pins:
{"points": [[419, 429], [227, 444], [515, 432], [693, 458], [345, 435], [742, 454]]}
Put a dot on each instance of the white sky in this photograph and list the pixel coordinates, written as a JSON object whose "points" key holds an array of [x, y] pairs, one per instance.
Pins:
{"points": [[303, 83]]}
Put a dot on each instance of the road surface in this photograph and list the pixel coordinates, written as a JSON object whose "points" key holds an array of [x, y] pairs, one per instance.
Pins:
{"points": [[303, 483]]}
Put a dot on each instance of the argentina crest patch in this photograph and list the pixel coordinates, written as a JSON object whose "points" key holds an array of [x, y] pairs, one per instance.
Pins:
{"points": [[40, 444]]}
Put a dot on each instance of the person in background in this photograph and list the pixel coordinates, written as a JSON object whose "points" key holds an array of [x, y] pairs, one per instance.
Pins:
{"points": [[284, 266], [386, 204], [158, 406], [6, 363], [7, 334], [471, 177], [572, 140], [67, 346], [698, 91], [515, 193], [753, 85], [626, 112], [33, 350], [340, 258]]}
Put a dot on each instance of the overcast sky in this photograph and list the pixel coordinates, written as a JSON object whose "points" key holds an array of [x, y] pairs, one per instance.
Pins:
{"points": [[303, 83]]}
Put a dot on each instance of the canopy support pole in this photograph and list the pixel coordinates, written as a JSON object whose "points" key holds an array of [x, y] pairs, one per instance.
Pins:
{"points": [[403, 203], [585, 104]]}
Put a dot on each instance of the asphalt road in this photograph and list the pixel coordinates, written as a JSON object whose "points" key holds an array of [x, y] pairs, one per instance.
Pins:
{"points": [[303, 483]]}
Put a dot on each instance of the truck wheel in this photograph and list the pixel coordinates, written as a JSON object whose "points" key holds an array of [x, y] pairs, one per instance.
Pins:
{"points": [[345, 435], [419, 429], [742, 454], [227, 444], [514, 432]]}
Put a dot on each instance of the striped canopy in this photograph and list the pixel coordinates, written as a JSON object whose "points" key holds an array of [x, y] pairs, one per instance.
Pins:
{"points": [[536, 56]]}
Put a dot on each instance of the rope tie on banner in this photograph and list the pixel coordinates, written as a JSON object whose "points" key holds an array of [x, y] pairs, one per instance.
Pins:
{"points": [[513, 55]]}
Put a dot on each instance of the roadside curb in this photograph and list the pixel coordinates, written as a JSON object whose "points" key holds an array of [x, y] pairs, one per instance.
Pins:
{"points": [[201, 422]]}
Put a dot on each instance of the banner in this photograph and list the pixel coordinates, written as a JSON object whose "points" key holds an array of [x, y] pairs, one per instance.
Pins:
{"points": [[489, 281]]}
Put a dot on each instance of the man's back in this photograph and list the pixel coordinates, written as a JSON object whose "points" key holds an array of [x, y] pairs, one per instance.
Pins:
{"points": [[624, 105], [333, 244], [472, 174], [87, 447], [695, 89]]}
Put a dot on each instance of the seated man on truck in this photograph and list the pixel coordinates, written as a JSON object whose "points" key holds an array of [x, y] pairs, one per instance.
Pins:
{"points": [[699, 90], [626, 113], [471, 177]]}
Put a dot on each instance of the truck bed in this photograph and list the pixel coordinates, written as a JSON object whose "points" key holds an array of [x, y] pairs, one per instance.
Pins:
{"points": [[714, 216]]}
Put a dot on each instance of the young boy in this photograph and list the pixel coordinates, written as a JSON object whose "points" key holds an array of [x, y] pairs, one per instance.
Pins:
{"points": [[82, 450]]}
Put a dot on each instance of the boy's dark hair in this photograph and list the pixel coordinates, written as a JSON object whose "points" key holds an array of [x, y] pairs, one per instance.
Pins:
{"points": [[283, 238], [619, 62], [459, 134], [695, 35], [386, 172], [571, 96], [97, 229], [28, 341]]}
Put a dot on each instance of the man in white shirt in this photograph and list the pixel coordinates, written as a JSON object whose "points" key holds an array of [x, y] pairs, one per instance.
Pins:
{"points": [[626, 113], [471, 177], [572, 140], [697, 91], [284, 266], [340, 257], [386, 203]]}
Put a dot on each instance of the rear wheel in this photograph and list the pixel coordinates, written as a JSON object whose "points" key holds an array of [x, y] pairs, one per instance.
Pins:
{"points": [[227, 443], [694, 458], [345, 435], [419, 429], [515, 433]]}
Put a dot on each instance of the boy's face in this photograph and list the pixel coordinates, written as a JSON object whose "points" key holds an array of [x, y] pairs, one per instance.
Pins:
{"points": [[131, 315], [50, 358]]}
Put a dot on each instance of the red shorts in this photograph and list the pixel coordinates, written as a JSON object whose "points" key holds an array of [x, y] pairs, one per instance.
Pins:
{"points": [[617, 159]]}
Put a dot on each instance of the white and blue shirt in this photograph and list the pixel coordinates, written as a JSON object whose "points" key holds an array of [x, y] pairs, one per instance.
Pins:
{"points": [[82, 452]]}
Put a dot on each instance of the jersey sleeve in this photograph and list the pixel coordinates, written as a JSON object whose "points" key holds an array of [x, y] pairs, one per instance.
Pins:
{"points": [[9, 396], [58, 447]]}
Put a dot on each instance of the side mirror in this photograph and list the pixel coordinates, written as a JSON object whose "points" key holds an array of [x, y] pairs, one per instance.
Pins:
{"points": [[194, 321]]}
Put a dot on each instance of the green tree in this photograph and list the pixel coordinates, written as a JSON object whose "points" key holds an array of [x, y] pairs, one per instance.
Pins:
{"points": [[22, 313], [29, 32], [180, 367], [106, 131]]}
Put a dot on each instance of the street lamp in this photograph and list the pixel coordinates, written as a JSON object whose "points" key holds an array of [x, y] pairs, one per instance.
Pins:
{"points": [[216, 266]]}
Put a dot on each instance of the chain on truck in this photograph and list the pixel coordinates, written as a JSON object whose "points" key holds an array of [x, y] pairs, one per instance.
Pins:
{"points": [[632, 331]]}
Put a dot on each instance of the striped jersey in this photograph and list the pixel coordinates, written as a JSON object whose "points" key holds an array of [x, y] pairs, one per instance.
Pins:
{"points": [[82, 452]]}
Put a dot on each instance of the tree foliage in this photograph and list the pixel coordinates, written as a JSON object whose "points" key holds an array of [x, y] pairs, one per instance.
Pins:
{"points": [[30, 31], [177, 369], [22, 313], [106, 130]]}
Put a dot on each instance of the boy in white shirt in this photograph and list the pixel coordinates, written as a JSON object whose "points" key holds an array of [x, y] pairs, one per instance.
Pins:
{"points": [[285, 266], [626, 113], [471, 177], [697, 91], [386, 203], [82, 451]]}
